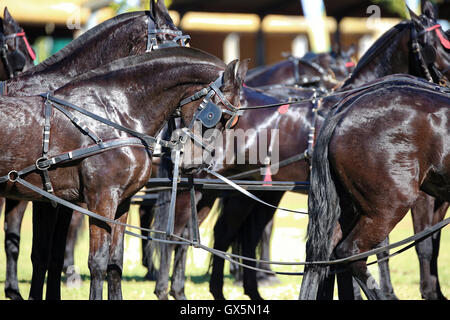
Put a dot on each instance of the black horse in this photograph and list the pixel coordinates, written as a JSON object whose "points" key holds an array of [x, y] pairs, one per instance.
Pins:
{"points": [[99, 180], [392, 53], [355, 201], [57, 70], [16, 56], [378, 61]]}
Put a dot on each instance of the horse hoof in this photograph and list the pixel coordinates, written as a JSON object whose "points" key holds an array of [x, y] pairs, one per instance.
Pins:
{"points": [[178, 295], [162, 295], [13, 294]]}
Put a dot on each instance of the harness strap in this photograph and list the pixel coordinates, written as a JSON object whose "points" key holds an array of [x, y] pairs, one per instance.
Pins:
{"points": [[248, 194], [148, 140], [194, 216], [77, 122], [3, 88], [171, 219], [75, 155], [418, 53], [45, 147]]}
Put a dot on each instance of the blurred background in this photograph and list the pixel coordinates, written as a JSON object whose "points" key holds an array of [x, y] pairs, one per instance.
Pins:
{"points": [[258, 29]]}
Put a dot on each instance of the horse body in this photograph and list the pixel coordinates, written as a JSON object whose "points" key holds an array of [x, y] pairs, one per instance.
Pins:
{"points": [[389, 55], [133, 103], [405, 132], [124, 35]]}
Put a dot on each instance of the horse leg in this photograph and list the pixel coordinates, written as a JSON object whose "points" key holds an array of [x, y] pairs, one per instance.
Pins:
{"points": [[360, 240], [385, 274], [265, 255], [179, 268], [253, 230], [100, 234], [14, 211], [64, 216], [234, 213], [44, 222], [162, 283], [72, 235], [426, 212], [146, 217], [115, 263]]}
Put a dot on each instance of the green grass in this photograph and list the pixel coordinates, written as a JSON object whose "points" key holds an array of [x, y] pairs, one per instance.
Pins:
{"points": [[287, 245]]}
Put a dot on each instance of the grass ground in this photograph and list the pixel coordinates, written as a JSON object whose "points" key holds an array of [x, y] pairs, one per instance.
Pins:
{"points": [[287, 244]]}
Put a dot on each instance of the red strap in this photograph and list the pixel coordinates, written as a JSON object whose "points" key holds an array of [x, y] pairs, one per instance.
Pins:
{"points": [[436, 26], [444, 41], [29, 48], [349, 64]]}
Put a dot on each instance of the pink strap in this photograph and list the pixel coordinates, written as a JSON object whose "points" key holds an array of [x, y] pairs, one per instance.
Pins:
{"points": [[283, 109], [29, 48], [268, 176]]}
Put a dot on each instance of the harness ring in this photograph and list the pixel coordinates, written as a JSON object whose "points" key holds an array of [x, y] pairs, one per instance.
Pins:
{"points": [[13, 175]]}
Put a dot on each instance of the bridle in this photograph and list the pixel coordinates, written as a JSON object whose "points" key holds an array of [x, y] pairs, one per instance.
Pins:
{"points": [[15, 55], [178, 39], [429, 68]]}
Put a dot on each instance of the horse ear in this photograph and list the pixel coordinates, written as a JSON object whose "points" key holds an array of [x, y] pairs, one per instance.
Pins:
{"points": [[161, 6], [10, 25], [7, 16], [151, 5], [428, 10], [229, 73], [241, 71]]}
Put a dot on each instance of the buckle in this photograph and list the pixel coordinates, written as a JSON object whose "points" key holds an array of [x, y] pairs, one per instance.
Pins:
{"points": [[41, 165]]}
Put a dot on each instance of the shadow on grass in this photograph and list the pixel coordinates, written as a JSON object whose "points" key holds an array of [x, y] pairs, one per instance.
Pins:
{"points": [[196, 279]]}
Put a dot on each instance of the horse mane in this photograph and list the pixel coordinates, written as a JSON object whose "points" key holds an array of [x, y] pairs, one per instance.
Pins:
{"points": [[379, 45], [134, 63], [83, 39]]}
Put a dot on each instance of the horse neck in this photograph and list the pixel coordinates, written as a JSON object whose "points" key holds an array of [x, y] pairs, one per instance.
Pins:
{"points": [[391, 57], [87, 56], [135, 103]]}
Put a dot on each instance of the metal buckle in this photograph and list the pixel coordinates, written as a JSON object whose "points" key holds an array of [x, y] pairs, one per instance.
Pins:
{"points": [[39, 163]]}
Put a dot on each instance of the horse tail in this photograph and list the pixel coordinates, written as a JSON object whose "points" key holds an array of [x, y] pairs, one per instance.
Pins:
{"points": [[323, 210]]}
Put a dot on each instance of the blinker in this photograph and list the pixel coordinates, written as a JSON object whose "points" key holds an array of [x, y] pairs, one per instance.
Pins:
{"points": [[210, 115], [17, 60]]}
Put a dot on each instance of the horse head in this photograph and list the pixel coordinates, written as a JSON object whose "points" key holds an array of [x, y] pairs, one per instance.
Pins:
{"points": [[434, 43], [17, 54], [218, 110], [163, 33]]}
